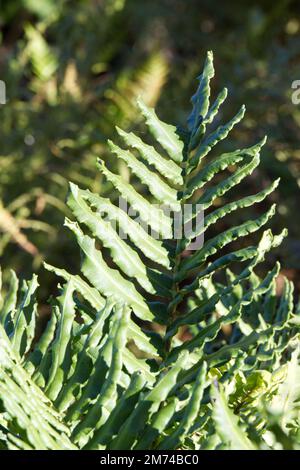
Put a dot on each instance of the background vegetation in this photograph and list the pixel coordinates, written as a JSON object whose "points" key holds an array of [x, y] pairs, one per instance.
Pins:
{"points": [[73, 70]]}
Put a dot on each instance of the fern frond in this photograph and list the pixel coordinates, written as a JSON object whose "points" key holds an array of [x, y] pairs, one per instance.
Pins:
{"points": [[138, 340]]}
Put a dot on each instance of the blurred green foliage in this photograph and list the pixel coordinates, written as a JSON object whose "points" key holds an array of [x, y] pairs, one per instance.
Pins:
{"points": [[73, 70]]}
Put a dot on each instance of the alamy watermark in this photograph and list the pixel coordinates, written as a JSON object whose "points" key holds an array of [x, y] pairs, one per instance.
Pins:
{"points": [[160, 221], [2, 92], [296, 93]]}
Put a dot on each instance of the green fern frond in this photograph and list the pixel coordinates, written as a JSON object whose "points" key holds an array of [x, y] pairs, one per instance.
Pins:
{"points": [[152, 345]]}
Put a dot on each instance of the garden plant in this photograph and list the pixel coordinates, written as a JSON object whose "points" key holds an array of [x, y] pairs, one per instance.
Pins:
{"points": [[153, 345]]}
